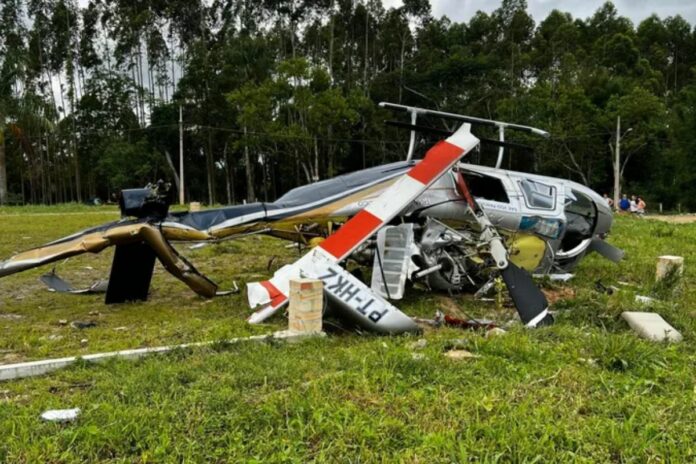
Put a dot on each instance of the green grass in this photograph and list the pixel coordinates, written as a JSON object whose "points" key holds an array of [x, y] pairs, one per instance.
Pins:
{"points": [[584, 390]]}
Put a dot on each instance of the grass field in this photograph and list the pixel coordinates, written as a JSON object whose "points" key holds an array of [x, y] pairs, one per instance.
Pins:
{"points": [[584, 390]]}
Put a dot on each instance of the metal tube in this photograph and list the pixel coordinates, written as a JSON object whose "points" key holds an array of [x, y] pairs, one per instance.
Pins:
{"points": [[501, 149], [425, 272], [470, 119], [412, 142]]}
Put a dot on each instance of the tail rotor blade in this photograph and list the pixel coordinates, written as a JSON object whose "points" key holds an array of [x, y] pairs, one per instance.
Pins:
{"points": [[530, 302]]}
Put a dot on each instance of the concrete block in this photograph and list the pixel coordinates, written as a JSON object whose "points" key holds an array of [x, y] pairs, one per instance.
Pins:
{"points": [[651, 326]]}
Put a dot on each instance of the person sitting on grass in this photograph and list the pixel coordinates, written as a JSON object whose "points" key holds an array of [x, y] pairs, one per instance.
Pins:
{"points": [[640, 207], [624, 204]]}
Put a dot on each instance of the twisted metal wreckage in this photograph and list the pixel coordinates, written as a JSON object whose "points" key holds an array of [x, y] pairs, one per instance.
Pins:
{"points": [[450, 225]]}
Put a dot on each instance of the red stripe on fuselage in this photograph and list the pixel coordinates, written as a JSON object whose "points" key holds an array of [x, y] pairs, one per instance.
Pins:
{"points": [[277, 297], [353, 232], [435, 162]]}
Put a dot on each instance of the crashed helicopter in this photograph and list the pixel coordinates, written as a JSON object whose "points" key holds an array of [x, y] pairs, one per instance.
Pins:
{"points": [[447, 224]]}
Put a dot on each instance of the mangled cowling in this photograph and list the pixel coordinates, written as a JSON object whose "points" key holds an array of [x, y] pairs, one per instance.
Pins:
{"points": [[155, 228], [114, 234]]}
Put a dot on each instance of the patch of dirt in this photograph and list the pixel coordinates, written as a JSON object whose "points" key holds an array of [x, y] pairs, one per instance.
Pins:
{"points": [[11, 358], [675, 218], [555, 294], [449, 306]]}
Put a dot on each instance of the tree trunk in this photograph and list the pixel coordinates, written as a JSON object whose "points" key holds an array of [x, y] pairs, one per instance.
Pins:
{"points": [[331, 42], [211, 169], [3, 169], [249, 169], [315, 175]]}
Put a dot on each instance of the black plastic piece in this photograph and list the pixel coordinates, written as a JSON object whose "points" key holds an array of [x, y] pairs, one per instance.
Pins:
{"points": [[131, 273], [527, 297], [150, 202]]}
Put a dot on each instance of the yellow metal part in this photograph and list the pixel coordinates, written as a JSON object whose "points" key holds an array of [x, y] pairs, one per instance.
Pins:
{"points": [[315, 241], [526, 251]]}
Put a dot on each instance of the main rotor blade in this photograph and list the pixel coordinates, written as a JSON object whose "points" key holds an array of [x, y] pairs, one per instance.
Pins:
{"points": [[446, 133], [529, 300]]}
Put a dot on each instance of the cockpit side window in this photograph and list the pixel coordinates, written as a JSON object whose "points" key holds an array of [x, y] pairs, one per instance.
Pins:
{"points": [[538, 195], [486, 187]]}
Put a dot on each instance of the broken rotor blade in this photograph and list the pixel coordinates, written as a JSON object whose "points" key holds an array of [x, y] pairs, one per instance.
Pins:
{"points": [[529, 300]]}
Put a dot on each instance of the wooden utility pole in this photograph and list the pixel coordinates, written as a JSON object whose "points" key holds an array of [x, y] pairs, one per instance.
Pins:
{"points": [[617, 164], [181, 156]]}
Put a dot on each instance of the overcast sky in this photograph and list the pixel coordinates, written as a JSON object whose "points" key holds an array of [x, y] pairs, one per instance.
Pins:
{"points": [[637, 10]]}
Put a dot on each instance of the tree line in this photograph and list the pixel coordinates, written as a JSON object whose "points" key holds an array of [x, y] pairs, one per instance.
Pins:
{"points": [[278, 93]]}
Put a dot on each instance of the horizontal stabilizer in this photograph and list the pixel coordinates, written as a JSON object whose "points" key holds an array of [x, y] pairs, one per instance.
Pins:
{"points": [[605, 249]]}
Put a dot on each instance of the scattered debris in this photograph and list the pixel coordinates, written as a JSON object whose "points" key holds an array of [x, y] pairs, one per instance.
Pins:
{"points": [[457, 344], [589, 361], [11, 317], [418, 345], [83, 342], [234, 290], [94, 313], [436, 322], [198, 246], [120, 329], [553, 295], [469, 323], [645, 299], [495, 332], [485, 289], [57, 284], [417, 356], [461, 354], [651, 326], [60, 415], [564, 277], [600, 287], [63, 322], [52, 337], [82, 324], [668, 266]]}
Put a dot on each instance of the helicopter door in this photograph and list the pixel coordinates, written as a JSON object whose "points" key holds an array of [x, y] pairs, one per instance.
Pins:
{"points": [[541, 205]]}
